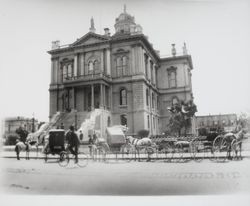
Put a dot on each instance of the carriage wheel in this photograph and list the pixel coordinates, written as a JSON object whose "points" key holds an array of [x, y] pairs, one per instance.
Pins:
{"points": [[196, 150], [83, 159], [63, 159], [127, 153], [218, 149], [149, 152], [166, 152], [102, 154], [178, 153]]}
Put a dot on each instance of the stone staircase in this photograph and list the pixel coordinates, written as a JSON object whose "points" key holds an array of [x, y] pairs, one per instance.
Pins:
{"points": [[85, 121]]}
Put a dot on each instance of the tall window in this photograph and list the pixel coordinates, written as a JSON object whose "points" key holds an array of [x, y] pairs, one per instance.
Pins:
{"points": [[147, 97], [124, 65], [153, 100], [123, 119], [96, 66], [148, 122], [90, 67], [146, 65], [121, 66], [123, 97], [67, 71], [172, 79], [152, 71]]}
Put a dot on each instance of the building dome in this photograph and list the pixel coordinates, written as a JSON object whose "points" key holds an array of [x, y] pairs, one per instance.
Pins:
{"points": [[124, 22]]}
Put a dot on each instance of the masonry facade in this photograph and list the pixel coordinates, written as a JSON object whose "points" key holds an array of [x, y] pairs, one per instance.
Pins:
{"points": [[120, 74]]}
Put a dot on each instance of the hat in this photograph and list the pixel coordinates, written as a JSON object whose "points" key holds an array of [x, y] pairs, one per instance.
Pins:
{"points": [[72, 128]]}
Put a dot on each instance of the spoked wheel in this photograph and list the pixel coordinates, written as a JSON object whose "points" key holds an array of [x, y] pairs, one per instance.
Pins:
{"points": [[166, 152], [83, 159], [127, 153], [196, 149], [149, 152], [178, 153], [102, 154], [63, 159], [219, 149]]}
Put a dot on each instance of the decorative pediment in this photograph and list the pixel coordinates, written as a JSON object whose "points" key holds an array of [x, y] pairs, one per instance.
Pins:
{"points": [[90, 38]]}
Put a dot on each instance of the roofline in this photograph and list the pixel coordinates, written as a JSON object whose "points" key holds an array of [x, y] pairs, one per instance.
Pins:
{"points": [[173, 58], [108, 40]]}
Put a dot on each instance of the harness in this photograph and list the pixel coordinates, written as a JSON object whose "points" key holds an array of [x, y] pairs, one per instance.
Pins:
{"points": [[134, 141]]}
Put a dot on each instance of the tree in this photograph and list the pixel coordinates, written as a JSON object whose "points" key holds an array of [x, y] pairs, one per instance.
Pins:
{"points": [[181, 115]]}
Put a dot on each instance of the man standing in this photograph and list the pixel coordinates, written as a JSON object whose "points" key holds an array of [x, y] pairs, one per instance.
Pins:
{"points": [[73, 142]]}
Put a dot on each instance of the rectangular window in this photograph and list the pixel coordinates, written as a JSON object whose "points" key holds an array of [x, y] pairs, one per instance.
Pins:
{"points": [[148, 122], [172, 79], [146, 65]]}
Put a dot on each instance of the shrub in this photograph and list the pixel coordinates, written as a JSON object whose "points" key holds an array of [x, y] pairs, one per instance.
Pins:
{"points": [[11, 139], [143, 133]]}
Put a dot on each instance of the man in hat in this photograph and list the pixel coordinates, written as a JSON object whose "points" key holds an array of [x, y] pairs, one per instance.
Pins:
{"points": [[73, 142]]}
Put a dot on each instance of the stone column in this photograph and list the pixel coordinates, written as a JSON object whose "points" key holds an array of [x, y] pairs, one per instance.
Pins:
{"points": [[104, 97], [92, 97], [101, 96], [149, 69], [108, 68], [110, 98], [153, 80], [73, 98], [75, 65], [52, 72]]}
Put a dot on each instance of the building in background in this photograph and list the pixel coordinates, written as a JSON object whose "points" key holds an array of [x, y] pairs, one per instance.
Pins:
{"points": [[120, 78], [11, 124], [220, 122]]}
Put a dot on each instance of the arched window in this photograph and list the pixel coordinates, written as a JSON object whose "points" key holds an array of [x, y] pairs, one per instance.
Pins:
{"points": [[123, 119], [153, 100], [96, 65], [121, 66], [90, 67], [70, 72], [147, 96], [123, 97], [172, 79], [65, 72], [124, 65]]}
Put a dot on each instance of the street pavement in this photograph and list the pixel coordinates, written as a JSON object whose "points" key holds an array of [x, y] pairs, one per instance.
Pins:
{"points": [[125, 178]]}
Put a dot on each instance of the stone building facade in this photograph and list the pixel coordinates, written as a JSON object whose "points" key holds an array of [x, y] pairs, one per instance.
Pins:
{"points": [[121, 75], [11, 124], [222, 122]]}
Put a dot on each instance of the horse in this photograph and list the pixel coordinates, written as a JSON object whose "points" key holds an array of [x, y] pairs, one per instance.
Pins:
{"points": [[99, 146], [22, 146], [233, 141], [138, 144]]}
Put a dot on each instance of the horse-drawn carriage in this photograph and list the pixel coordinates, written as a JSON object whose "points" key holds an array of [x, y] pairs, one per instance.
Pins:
{"points": [[55, 144], [213, 146]]}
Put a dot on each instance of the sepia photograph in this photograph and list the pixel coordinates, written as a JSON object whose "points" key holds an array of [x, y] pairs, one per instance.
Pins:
{"points": [[121, 101]]}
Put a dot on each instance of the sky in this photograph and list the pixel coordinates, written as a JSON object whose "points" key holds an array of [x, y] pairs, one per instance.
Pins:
{"points": [[216, 33]]}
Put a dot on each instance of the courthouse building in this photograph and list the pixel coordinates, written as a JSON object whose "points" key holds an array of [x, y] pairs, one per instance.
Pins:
{"points": [[121, 75]]}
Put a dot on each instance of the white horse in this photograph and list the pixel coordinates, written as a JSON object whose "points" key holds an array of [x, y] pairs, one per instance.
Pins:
{"points": [[21, 146], [144, 143]]}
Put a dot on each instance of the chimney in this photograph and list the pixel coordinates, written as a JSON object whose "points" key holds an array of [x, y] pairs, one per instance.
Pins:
{"points": [[55, 44], [106, 32]]}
